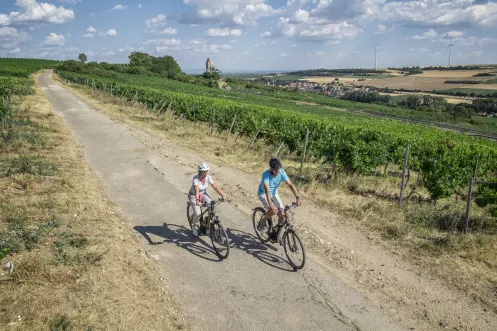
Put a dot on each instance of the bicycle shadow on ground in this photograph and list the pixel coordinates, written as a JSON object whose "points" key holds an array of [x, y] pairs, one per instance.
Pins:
{"points": [[181, 237], [253, 246]]}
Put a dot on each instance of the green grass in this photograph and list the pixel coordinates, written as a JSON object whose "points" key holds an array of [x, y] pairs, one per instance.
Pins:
{"points": [[481, 92], [491, 81]]}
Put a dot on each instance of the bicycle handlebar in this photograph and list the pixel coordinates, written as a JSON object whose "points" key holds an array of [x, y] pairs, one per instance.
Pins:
{"points": [[294, 205]]}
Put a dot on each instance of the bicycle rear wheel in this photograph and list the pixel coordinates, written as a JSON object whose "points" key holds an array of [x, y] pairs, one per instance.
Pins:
{"points": [[256, 217], [294, 250], [220, 240], [190, 214]]}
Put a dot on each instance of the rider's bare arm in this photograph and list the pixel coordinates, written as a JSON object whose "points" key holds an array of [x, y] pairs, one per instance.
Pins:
{"points": [[218, 190], [268, 198], [196, 194], [294, 190]]}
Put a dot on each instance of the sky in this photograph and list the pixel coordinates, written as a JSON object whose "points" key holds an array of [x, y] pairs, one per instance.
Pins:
{"points": [[254, 34]]}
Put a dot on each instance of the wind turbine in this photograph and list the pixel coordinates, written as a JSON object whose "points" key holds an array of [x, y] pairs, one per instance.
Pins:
{"points": [[450, 49], [375, 58]]}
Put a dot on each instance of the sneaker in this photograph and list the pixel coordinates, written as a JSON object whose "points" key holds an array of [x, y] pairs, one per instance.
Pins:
{"points": [[262, 225], [195, 232]]}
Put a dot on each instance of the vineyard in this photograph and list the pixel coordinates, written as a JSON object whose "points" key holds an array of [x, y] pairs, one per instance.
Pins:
{"points": [[350, 144], [14, 80]]}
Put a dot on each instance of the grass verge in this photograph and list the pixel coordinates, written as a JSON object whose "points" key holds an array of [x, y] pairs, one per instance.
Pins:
{"points": [[77, 263]]}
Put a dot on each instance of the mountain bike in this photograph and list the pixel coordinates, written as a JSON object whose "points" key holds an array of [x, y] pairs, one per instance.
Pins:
{"points": [[211, 222], [284, 234]]}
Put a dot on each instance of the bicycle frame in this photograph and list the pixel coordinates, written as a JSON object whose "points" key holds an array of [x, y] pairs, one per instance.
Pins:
{"points": [[211, 209]]}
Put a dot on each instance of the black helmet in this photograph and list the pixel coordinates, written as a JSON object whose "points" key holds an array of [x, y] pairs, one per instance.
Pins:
{"points": [[275, 163]]}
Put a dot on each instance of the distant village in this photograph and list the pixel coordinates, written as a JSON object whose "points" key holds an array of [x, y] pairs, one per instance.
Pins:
{"points": [[335, 88]]}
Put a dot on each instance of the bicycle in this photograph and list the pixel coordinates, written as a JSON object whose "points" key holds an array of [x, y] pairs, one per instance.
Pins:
{"points": [[286, 235], [217, 233]]}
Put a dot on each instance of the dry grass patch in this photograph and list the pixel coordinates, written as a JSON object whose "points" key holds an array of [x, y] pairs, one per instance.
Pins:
{"points": [[77, 263], [429, 235], [453, 74]]}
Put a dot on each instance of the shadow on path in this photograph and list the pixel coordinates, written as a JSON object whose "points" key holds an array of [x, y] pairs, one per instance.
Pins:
{"points": [[253, 246], [181, 237]]}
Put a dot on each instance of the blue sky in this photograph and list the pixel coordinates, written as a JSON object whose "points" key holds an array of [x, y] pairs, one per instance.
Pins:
{"points": [[254, 34]]}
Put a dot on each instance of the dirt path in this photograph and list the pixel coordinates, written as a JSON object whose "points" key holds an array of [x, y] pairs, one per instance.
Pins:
{"points": [[241, 293]]}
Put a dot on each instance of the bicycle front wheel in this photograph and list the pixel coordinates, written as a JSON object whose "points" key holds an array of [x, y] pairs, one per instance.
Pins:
{"points": [[220, 240], [190, 214], [294, 250], [256, 217]]}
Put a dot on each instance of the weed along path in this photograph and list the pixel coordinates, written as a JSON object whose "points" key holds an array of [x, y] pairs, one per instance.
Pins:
{"points": [[254, 288]]}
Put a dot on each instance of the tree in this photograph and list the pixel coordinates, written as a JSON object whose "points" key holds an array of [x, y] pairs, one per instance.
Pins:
{"points": [[165, 65], [82, 58], [139, 59]]}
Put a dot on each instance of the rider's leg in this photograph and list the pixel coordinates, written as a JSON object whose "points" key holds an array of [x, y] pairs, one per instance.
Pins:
{"points": [[279, 204], [197, 211], [269, 211]]}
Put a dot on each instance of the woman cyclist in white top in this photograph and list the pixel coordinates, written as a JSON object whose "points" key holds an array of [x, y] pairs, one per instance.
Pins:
{"points": [[198, 193]]}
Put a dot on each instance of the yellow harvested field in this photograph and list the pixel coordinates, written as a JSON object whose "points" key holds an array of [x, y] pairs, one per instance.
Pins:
{"points": [[412, 82], [454, 74], [482, 86]]}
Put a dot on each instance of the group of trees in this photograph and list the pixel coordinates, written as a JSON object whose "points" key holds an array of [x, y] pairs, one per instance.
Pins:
{"points": [[465, 82], [409, 70], [141, 64], [366, 97], [485, 105], [425, 103]]}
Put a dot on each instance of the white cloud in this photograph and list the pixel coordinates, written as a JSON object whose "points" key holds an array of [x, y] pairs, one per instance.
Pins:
{"points": [[283, 54], [430, 34], [54, 39], [241, 12], [382, 29], [36, 12], [109, 33], [15, 51], [163, 31], [472, 54], [157, 21], [337, 31], [454, 34], [119, 7], [140, 6], [314, 53], [11, 38], [88, 35], [437, 12], [69, 2], [164, 42], [223, 32], [91, 29]]}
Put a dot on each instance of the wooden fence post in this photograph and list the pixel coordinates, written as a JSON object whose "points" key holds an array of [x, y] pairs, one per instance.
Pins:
{"points": [[231, 127], [279, 149], [253, 140], [213, 116], [305, 148], [402, 185], [468, 205]]}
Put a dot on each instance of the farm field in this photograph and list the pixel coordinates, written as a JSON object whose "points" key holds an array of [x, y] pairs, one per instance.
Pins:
{"points": [[477, 91], [402, 96], [454, 74], [415, 82]]}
